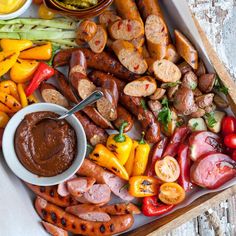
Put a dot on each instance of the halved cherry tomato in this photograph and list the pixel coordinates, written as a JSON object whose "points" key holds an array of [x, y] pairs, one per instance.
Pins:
{"points": [[45, 13], [171, 193], [230, 140], [167, 169], [233, 156], [228, 125]]}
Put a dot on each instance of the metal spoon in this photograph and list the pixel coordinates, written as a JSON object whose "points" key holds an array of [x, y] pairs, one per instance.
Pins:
{"points": [[93, 97]]}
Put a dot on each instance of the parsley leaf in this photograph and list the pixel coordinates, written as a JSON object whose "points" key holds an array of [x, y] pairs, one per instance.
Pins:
{"points": [[195, 125], [170, 85], [164, 115], [89, 148], [143, 104], [210, 118], [220, 87], [179, 123]]}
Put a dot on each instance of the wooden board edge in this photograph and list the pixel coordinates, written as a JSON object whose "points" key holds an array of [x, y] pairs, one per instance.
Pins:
{"points": [[164, 225]]}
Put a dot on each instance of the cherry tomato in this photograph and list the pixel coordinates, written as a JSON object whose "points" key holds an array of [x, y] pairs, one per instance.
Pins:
{"points": [[228, 125], [4, 118], [230, 140], [167, 169], [45, 13], [233, 156], [171, 193], [38, 2]]}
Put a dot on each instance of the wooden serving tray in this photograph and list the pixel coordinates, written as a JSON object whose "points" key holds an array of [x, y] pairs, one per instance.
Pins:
{"points": [[163, 225]]}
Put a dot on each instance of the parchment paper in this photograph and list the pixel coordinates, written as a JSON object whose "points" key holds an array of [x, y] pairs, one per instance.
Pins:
{"points": [[18, 216]]}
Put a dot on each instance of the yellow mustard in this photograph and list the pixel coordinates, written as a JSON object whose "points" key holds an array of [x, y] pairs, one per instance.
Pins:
{"points": [[9, 6]]}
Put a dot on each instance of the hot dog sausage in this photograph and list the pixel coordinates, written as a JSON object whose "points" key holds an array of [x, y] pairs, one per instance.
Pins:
{"points": [[50, 194], [107, 17], [94, 133], [135, 106], [90, 111], [78, 75], [86, 31], [121, 209], [99, 61], [73, 224], [54, 230]]}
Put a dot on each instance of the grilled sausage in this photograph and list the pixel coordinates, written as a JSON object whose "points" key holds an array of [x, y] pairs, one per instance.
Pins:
{"points": [[98, 194], [99, 61], [50, 194], [201, 70], [80, 185], [121, 209], [54, 230], [62, 189], [123, 116], [90, 111], [73, 224], [171, 54], [142, 87], [158, 94], [86, 31], [107, 17], [184, 67], [93, 133], [89, 212], [102, 176], [186, 50], [206, 82], [50, 94], [155, 106], [126, 29], [138, 42], [135, 106], [129, 56], [99, 41], [78, 75]]}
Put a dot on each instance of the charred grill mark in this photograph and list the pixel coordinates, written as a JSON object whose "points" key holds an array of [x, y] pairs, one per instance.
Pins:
{"points": [[102, 228], [83, 227], [112, 228], [44, 213], [53, 217], [63, 221], [42, 189]]}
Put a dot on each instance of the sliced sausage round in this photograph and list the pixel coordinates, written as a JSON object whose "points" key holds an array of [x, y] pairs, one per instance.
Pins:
{"points": [[107, 17], [155, 106], [86, 30], [158, 94]]}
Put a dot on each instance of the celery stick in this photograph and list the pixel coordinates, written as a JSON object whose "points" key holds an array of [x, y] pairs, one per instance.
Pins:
{"points": [[26, 28], [60, 23]]}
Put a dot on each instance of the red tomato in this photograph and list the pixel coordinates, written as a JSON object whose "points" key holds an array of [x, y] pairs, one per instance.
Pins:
{"points": [[233, 156], [230, 140], [38, 2], [228, 125]]}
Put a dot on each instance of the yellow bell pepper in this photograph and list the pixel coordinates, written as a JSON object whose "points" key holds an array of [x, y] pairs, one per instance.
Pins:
{"points": [[143, 186], [103, 157], [9, 87], [15, 44], [130, 163], [23, 98], [141, 157], [120, 144], [7, 60], [4, 118], [32, 99], [23, 70], [10, 102], [42, 52]]}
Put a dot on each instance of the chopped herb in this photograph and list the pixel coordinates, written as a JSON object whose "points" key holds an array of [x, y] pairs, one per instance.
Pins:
{"points": [[139, 204], [170, 85], [220, 87], [55, 48], [143, 104], [89, 148], [210, 119], [179, 123], [126, 186], [164, 115], [195, 125]]}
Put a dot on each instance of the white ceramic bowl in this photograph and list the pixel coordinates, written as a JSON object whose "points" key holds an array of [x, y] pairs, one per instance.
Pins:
{"points": [[17, 13], [11, 157]]}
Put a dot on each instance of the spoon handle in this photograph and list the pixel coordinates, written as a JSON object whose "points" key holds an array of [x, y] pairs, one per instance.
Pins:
{"points": [[93, 97]]}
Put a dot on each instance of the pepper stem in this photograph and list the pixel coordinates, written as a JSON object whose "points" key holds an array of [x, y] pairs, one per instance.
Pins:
{"points": [[142, 141], [120, 138]]}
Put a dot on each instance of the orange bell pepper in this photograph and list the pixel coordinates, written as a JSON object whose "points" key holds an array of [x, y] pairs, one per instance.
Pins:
{"points": [[15, 44], [4, 118], [4, 108], [9, 87], [42, 52], [7, 60], [23, 70], [10, 102]]}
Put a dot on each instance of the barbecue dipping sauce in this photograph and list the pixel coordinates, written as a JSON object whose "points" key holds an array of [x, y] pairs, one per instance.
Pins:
{"points": [[45, 147]]}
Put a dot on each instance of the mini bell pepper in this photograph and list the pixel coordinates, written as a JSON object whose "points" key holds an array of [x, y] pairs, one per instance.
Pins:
{"points": [[23, 98], [10, 102], [9, 87], [15, 44], [103, 157], [23, 70], [42, 52], [4, 108], [7, 60], [32, 99], [120, 144], [143, 186], [4, 118], [141, 157], [153, 207], [43, 72], [130, 162]]}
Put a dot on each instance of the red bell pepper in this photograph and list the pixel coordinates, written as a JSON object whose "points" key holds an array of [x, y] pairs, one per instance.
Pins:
{"points": [[156, 154], [177, 138], [153, 207], [184, 165], [43, 72]]}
